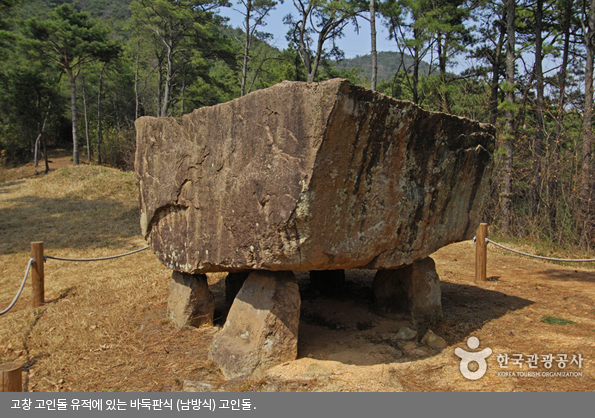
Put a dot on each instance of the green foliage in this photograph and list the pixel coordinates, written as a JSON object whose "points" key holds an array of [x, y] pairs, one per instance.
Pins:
{"points": [[554, 320], [254, 12], [395, 87], [354, 75], [318, 24], [6, 23], [12, 147], [181, 36], [389, 64], [68, 38], [505, 106], [174, 56]]}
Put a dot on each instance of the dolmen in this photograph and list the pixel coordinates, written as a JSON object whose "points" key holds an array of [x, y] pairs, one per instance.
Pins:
{"points": [[321, 177]]}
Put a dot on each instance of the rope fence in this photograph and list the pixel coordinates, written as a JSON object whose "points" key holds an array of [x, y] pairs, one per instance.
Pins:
{"points": [[11, 373], [95, 259], [569, 260], [481, 241], [11, 377], [38, 273], [31, 261]]}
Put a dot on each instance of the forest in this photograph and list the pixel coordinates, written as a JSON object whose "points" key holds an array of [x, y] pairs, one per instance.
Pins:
{"points": [[76, 75]]}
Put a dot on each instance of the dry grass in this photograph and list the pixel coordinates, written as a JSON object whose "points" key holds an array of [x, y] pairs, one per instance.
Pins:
{"points": [[103, 327], [101, 316]]}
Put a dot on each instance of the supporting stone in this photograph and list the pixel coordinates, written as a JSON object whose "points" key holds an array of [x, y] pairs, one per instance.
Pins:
{"points": [[413, 289], [328, 282], [261, 329], [190, 300], [233, 284], [390, 292]]}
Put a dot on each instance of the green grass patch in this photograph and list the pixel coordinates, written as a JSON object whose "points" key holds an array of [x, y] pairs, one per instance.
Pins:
{"points": [[554, 320]]}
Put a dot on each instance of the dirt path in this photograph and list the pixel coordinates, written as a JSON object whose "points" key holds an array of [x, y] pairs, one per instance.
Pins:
{"points": [[104, 326]]}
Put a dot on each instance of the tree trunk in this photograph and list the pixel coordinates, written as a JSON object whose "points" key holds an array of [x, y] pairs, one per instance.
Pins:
{"points": [[168, 81], [321, 39], [45, 155], [159, 83], [587, 131], [296, 64], [303, 51], [119, 129], [86, 120], [75, 142], [562, 79], [183, 90], [40, 135], [416, 61], [445, 103], [373, 50], [506, 192], [99, 115], [36, 149], [496, 74], [539, 134], [246, 48], [136, 81]]}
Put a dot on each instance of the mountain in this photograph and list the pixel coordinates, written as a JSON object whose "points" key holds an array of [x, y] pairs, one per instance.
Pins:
{"points": [[388, 64]]}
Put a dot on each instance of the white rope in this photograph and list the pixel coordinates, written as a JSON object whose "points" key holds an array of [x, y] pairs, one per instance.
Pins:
{"points": [[585, 260], [94, 259], [31, 261]]}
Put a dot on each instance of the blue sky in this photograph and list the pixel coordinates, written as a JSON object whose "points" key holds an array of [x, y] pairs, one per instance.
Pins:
{"points": [[351, 44]]}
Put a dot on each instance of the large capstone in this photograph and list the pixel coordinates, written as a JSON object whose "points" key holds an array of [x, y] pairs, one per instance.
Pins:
{"points": [[309, 176]]}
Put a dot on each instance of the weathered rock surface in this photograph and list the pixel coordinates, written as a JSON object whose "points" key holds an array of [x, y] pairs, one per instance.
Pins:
{"points": [[261, 329], [413, 289], [405, 334], [434, 341], [190, 301], [196, 386], [318, 370], [309, 176]]}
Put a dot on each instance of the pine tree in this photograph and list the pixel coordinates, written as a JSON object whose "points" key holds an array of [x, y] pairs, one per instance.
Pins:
{"points": [[70, 39]]}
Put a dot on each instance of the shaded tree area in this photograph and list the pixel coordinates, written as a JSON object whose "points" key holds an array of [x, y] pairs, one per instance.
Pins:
{"points": [[77, 75]]}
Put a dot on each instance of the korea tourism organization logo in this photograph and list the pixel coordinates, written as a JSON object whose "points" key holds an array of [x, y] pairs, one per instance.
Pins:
{"points": [[512, 365], [478, 357]]}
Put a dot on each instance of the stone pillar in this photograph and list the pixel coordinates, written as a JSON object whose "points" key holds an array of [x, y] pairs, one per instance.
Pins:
{"points": [[233, 284], [190, 300], [261, 329], [413, 289], [328, 282]]}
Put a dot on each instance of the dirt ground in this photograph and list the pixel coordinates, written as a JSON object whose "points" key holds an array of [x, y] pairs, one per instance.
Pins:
{"points": [[103, 327]]}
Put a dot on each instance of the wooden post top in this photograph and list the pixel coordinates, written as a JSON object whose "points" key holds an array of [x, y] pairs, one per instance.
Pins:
{"points": [[11, 377], [9, 367]]}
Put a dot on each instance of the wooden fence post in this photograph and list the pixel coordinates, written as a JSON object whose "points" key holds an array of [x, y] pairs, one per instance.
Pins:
{"points": [[11, 379], [38, 274], [480, 253]]}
